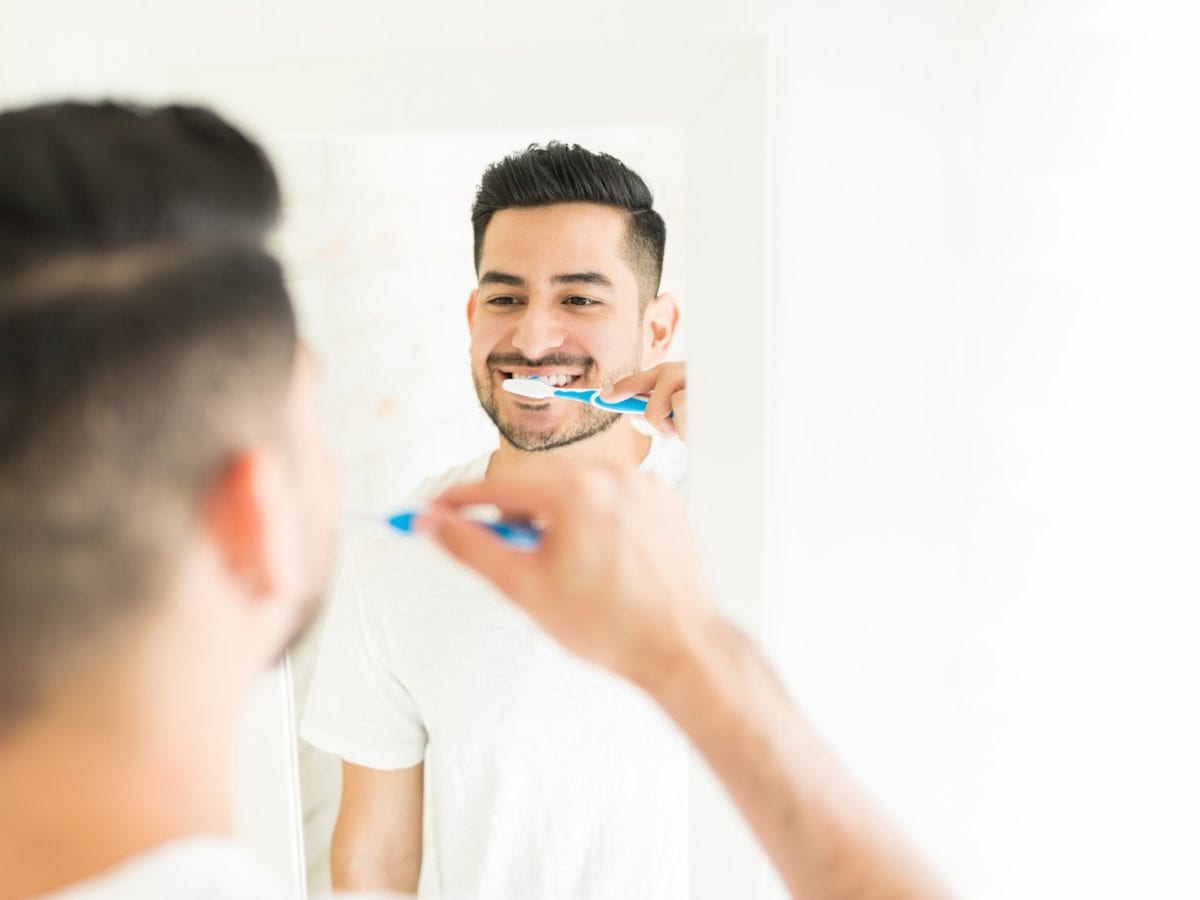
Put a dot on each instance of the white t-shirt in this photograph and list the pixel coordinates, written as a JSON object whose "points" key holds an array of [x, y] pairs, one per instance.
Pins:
{"points": [[196, 868], [545, 777], [199, 868]]}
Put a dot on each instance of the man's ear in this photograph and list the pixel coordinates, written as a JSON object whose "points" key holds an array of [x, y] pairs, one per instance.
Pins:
{"points": [[472, 305], [242, 522], [659, 324]]}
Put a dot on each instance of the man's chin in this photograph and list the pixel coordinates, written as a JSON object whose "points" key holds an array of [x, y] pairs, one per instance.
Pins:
{"points": [[534, 440], [534, 427]]}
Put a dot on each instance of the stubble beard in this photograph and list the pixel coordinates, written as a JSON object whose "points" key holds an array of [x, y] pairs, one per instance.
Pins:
{"points": [[586, 423]]}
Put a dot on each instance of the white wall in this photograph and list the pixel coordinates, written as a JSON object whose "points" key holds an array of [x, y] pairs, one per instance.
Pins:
{"points": [[984, 443]]}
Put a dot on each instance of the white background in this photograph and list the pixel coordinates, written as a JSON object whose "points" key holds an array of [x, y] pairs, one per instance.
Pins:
{"points": [[983, 381], [969, 304]]}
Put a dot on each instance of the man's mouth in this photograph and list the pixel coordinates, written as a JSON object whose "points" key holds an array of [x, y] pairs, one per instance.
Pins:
{"points": [[554, 377]]}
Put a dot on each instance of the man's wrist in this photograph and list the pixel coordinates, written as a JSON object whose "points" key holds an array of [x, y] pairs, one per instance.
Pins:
{"points": [[681, 660]]}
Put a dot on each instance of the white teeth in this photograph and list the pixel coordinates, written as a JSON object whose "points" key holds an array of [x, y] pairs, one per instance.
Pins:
{"points": [[558, 380]]}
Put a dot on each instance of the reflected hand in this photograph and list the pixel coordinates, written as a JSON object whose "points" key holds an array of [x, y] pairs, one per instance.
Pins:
{"points": [[615, 576], [666, 386]]}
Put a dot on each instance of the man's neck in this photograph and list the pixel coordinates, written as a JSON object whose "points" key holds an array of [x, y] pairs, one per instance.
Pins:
{"points": [[89, 786], [619, 446]]}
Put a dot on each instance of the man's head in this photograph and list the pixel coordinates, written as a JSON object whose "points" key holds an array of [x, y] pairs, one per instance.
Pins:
{"points": [[78, 177], [157, 424], [568, 253]]}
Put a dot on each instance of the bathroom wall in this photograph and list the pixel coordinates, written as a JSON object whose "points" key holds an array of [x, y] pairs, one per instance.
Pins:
{"points": [[983, 438]]}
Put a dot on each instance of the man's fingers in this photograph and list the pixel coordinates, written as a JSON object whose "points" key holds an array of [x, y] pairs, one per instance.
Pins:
{"points": [[477, 548], [667, 411], [639, 383], [666, 404]]}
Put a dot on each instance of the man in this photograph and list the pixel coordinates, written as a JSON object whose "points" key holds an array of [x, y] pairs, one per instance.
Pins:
{"points": [[166, 502], [470, 742], [165, 515]]}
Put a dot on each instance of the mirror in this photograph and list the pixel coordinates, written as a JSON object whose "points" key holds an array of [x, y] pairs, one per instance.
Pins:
{"points": [[396, 226], [378, 243]]}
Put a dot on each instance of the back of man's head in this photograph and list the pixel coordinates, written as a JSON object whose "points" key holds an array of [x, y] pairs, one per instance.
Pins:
{"points": [[145, 335], [567, 173], [80, 177]]}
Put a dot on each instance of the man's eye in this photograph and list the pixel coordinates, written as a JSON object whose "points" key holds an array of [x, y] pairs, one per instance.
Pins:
{"points": [[503, 301], [582, 301]]}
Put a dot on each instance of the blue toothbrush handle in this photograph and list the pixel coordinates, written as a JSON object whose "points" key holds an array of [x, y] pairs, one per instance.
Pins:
{"points": [[521, 535], [635, 405]]}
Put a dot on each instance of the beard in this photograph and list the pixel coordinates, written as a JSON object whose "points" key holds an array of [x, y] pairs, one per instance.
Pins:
{"points": [[585, 423]]}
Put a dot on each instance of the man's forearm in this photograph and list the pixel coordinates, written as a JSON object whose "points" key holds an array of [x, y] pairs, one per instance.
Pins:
{"points": [[358, 869], [378, 837], [819, 831]]}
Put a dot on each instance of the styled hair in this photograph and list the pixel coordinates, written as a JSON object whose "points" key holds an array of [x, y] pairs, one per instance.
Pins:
{"points": [[78, 178], [145, 336], [543, 175]]}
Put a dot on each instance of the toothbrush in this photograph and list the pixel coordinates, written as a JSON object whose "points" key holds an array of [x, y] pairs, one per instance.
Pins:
{"points": [[536, 389], [520, 535]]}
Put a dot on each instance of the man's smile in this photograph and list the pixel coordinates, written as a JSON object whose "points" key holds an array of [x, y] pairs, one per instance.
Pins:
{"points": [[555, 377]]}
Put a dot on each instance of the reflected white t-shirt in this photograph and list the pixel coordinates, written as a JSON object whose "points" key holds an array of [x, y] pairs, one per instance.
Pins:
{"points": [[545, 777]]}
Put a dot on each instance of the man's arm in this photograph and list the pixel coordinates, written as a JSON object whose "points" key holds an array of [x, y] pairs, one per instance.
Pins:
{"points": [[615, 581], [377, 839], [820, 832]]}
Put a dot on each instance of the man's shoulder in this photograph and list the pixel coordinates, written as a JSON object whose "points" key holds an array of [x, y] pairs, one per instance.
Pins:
{"points": [[204, 868], [192, 868]]}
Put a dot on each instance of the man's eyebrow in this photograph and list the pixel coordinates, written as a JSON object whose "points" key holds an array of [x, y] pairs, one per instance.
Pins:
{"points": [[494, 277], [583, 278]]}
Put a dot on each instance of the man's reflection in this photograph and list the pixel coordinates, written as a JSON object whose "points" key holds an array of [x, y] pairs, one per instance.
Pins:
{"points": [[478, 757]]}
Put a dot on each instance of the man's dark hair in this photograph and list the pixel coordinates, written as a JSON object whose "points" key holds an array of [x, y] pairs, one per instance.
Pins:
{"points": [[78, 177], [145, 336], [567, 173]]}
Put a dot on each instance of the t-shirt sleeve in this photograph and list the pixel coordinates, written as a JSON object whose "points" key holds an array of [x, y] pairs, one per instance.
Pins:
{"points": [[357, 707]]}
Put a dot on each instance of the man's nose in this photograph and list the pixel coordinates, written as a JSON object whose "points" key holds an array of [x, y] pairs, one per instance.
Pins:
{"points": [[538, 332]]}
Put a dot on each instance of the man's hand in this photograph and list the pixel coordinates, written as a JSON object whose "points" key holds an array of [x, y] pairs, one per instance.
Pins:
{"points": [[666, 385], [615, 578]]}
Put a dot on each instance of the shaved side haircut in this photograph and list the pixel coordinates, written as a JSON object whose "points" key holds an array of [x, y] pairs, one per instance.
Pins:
{"points": [[567, 173], [145, 336]]}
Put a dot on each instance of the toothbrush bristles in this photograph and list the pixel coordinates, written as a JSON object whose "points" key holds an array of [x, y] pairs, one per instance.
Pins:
{"points": [[528, 387]]}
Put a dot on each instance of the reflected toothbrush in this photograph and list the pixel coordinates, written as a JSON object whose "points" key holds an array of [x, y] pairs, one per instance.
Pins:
{"points": [[536, 389]]}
